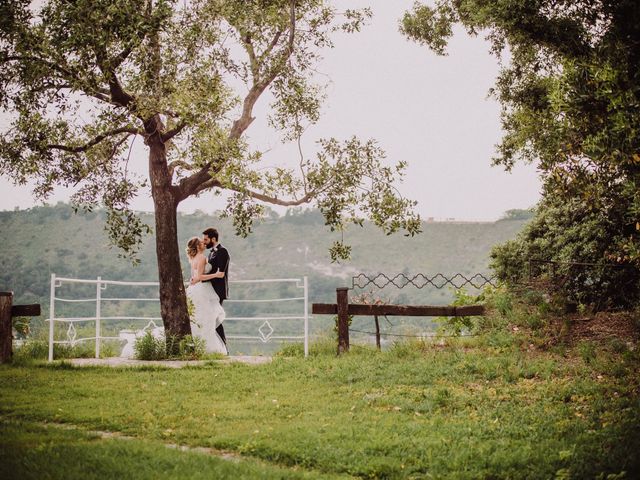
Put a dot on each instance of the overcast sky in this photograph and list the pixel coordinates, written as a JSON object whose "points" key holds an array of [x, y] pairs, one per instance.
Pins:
{"points": [[430, 111]]}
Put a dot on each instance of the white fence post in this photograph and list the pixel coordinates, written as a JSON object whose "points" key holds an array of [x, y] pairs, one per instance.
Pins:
{"points": [[306, 317], [52, 302], [98, 329]]}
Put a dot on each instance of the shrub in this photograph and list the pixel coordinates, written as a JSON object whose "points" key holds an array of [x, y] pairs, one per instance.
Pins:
{"points": [[580, 241], [188, 347], [149, 347], [191, 348]]}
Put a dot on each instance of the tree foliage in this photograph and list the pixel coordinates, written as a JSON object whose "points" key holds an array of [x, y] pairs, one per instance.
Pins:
{"points": [[556, 251], [83, 79], [570, 96]]}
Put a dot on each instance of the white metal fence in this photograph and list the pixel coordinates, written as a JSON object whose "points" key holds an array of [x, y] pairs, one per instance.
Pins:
{"points": [[265, 331]]}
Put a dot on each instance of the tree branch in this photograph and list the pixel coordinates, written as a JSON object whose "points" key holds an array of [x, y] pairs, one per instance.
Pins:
{"points": [[272, 45], [274, 200], [211, 183], [165, 137], [201, 180], [66, 74], [194, 184], [95, 141], [255, 67], [54, 66], [242, 123], [118, 95], [122, 56], [177, 163]]}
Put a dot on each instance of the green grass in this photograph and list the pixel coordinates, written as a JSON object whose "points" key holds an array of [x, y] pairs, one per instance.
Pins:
{"points": [[482, 408], [29, 451]]}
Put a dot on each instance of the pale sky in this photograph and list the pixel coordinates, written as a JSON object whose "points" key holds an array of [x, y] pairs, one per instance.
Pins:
{"points": [[432, 112]]}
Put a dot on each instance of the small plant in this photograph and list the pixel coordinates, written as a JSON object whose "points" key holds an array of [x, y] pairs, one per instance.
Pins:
{"points": [[587, 351], [291, 350], [22, 327], [456, 325], [335, 321], [191, 348], [191, 311], [39, 350], [149, 347], [188, 347]]}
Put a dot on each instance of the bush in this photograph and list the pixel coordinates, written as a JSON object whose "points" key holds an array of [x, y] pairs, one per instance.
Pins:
{"points": [[188, 347], [568, 249], [149, 347], [191, 348], [457, 325]]}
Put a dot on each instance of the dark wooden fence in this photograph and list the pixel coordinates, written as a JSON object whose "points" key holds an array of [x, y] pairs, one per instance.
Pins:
{"points": [[8, 311], [343, 309]]}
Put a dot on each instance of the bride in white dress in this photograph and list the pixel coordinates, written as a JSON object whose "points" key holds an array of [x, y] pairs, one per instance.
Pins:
{"points": [[208, 312]]}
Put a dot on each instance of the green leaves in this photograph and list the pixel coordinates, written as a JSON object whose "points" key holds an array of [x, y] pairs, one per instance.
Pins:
{"points": [[83, 79], [570, 100]]}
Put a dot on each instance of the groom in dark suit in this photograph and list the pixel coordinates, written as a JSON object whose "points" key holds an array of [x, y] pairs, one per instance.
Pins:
{"points": [[219, 260]]}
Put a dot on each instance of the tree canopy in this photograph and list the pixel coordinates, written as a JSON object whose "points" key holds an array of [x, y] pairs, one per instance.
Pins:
{"points": [[83, 79], [569, 87]]}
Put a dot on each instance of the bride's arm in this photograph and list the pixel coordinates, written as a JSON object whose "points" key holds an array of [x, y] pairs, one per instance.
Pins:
{"points": [[204, 278], [201, 276]]}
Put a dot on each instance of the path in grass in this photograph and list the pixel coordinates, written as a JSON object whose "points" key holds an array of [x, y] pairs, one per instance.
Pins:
{"points": [[130, 362], [61, 451]]}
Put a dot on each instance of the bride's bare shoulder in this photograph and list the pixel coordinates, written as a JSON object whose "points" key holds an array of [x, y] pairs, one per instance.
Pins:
{"points": [[197, 260]]}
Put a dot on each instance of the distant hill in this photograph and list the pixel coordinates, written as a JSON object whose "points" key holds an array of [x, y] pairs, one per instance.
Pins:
{"points": [[52, 239]]}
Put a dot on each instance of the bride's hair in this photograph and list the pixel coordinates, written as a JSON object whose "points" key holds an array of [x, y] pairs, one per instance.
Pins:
{"points": [[192, 247]]}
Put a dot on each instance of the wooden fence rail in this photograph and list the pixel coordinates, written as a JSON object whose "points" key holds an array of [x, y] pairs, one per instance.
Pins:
{"points": [[344, 309], [7, 311]]}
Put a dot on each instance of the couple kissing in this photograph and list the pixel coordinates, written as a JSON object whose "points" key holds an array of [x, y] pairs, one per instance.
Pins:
{"points": [[209, 287]]}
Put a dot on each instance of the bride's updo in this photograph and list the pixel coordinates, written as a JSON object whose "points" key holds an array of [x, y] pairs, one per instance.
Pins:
{"points": [[192, 247]]}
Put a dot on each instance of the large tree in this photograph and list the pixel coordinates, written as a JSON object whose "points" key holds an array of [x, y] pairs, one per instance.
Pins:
{"points": [[81, 79], [569, 87]]}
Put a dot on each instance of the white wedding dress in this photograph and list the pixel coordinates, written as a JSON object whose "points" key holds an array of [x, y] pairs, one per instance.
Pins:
{"points": [[208, 314]]}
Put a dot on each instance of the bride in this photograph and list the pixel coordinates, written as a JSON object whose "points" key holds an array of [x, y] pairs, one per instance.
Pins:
{"points": [[208, 311]]}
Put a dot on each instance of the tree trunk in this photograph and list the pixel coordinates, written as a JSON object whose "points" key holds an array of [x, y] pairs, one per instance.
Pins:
{"points": [[173, 302]]}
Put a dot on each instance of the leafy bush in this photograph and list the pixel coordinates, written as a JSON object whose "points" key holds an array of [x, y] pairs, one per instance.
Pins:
{"points": [[456, 325], [188, 347], [569, 250], [191, 348], [149, 347]]}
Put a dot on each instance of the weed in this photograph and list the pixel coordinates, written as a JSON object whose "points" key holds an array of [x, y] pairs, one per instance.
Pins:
{"points": [[149, 347], [587, 351]]}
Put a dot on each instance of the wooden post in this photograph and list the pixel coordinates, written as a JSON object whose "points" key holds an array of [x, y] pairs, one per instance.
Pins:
{"points": [[342, 295], [375, 317], [6, 301]]}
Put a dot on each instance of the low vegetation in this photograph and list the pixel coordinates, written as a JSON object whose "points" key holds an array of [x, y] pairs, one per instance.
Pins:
{"points": [[513, 401]]}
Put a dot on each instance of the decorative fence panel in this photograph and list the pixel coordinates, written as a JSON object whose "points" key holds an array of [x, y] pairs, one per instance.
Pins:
{"points": [[101, 317]]}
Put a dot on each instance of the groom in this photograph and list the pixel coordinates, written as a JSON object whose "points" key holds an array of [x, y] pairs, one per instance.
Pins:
{"points": [[219, 260]]}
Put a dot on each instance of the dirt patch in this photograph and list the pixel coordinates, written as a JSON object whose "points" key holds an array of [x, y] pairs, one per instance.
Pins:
{"points": [[624, 326]]}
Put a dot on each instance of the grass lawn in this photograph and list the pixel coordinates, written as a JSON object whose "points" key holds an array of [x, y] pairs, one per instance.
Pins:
{"points": [[489, 407]]}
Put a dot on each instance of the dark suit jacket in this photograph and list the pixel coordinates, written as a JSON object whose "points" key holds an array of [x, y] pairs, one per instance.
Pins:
{"points": [[219, 260]]}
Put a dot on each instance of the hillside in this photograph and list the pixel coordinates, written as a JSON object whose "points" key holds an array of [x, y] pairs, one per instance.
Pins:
{"points": [[52, 239]]}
